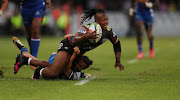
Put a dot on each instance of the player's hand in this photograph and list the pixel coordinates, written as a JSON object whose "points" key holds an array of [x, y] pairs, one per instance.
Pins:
{"points": [[148, 4], [91, 34], [120, 66], [48, 3], [76, 50], [131, 11]]}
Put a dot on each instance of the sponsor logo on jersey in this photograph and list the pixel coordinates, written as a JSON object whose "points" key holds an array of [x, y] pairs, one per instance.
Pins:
{"points": [[108, 28], [103, 40], [66, 48]]}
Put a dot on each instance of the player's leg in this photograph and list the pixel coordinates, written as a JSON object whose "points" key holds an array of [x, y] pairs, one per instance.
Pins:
{"points": [[60, 61], [22, 60], [24, 52], [151, 40], [148, 27], [139, 25], [35, 37], [28, 35]]}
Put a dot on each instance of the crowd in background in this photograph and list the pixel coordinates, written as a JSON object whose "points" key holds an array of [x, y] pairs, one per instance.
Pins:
{"points": [[58, 16]]}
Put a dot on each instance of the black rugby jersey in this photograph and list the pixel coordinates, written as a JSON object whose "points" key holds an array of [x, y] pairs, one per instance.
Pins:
{"points": [[85, 46]]}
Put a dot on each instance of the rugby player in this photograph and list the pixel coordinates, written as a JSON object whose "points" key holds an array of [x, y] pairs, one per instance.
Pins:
{"points": [[144, 16], [33, 12], [71, 71], [3, 6], [81, 39]]}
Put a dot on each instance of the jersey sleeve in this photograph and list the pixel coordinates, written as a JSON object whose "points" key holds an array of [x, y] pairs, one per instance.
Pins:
{"points": [[74, 75], [111, 35]]}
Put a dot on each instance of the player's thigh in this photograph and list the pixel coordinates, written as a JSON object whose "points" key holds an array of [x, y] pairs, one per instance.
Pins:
{"points": [[139, 25], [36, 23], [59, 63]]}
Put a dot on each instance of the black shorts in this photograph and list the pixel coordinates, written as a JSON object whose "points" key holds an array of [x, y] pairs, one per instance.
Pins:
{"points": [[66, 46]]}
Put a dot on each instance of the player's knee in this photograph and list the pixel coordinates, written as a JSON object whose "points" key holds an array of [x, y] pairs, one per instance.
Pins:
{"points": [[35, 32]]}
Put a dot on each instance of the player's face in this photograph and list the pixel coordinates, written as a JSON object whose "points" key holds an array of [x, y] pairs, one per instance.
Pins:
{"points": [[102, 20], [81, 65]]}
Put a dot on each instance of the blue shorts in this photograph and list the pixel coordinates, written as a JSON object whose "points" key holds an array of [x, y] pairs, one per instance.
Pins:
{"points": [[144, 14], [146, 18], [31, 9], [51, 58]]}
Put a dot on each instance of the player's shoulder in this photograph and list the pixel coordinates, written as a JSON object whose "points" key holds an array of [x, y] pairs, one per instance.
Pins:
{"points": [[109, 28]]}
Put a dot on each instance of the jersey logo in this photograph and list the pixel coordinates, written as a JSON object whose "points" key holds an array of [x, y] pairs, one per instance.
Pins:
{"points": [[108, 28], [104, 40], [37, 13]]}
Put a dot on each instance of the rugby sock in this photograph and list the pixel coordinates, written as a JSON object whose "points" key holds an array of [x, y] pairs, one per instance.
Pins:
{"points": [[23, 50], [140, 46], [29, 60], [35, 41], [41, 72]]}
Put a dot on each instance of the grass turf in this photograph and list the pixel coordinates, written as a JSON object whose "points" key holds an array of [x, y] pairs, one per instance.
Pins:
{"points": [[146, 79]]}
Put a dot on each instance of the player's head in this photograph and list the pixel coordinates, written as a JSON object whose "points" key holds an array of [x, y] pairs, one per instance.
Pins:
{"points": [[99, 16], [81, 63]]}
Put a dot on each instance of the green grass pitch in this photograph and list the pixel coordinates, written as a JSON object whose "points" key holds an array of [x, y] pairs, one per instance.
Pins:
{"points": [[146, 79]]}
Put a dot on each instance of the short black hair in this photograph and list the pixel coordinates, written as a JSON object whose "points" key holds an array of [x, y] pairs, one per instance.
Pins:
{"points": [[85, 59], [88, 14]]}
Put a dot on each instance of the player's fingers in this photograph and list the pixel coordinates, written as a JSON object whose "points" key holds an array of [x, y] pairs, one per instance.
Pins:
{"points": [[98, 34], [94, 31], [122, 69]]}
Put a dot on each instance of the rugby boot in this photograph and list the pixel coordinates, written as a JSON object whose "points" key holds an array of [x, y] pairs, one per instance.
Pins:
{"points": [[20, 60], [151, 53], [140, 55], [18, 43], [36, 74]]}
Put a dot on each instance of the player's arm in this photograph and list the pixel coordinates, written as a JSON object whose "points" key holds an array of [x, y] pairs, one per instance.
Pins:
{"points": [[117, 51], [68, 70], [82, 36], [117, 48], [4, 6], [48, 3], [132, 7]]}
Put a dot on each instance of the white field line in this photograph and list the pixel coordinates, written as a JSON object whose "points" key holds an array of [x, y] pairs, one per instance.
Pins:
{"points": [[132, 61], [146, 54], [85, 81]]}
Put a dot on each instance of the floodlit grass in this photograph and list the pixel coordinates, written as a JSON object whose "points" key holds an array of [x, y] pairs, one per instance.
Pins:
{"points": [[146, 79]]}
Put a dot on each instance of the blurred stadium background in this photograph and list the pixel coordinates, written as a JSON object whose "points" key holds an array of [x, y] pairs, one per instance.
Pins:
{"points": [[65, 15]]}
